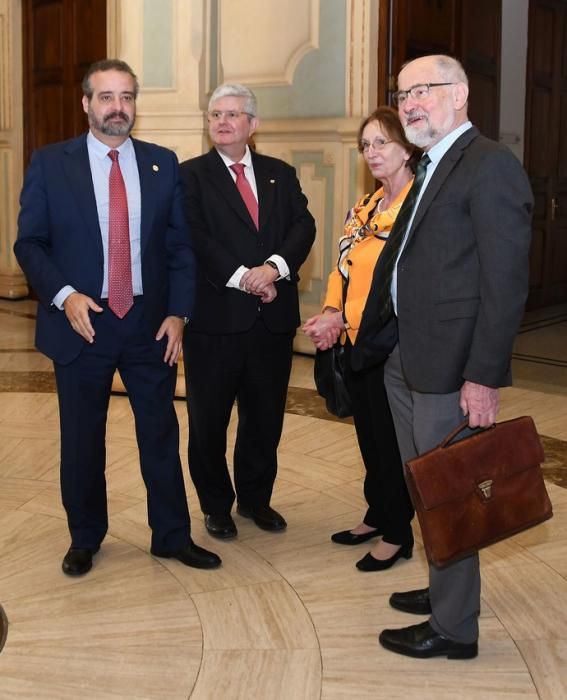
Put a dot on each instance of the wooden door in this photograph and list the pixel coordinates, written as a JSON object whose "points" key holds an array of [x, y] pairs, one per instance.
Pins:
{"points": [[545, 156], [470, 30], [61, 39]]}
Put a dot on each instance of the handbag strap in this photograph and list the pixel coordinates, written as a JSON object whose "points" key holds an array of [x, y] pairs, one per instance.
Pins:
{"points": [[446, 442]]}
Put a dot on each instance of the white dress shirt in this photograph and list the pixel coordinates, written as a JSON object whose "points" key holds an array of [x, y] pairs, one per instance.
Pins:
{"points": [[281, 264], [100, 165]]}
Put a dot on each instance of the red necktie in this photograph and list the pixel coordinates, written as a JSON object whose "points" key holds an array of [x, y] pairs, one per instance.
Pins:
{"points": [[120, 295], [246, 191]]}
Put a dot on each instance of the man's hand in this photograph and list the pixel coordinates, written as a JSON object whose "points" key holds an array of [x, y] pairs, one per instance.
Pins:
{"points": [[324, 329], [268, 294], [172, 327], [480, 403], [256, 279], [76, 307]]}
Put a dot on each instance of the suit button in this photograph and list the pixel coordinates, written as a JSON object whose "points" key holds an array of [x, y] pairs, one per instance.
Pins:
{"points": [[259, 244]]}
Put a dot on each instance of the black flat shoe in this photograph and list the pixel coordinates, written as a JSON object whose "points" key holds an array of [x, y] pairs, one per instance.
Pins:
{"points": [[370, 563], [78, 561], [414, 602], [422, 642], [265, 517], [192, 555], [348, 537], [221, 526]]}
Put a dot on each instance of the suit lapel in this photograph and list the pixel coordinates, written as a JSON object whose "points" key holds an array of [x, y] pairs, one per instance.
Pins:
{"points": [[222, 180], [265, 184], [148, 190], [77, 169], [442, 172]]}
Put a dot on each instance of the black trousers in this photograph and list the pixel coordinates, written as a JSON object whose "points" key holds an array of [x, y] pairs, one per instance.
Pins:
{"points": [[83, 389], [252, 368], [389, 506]]}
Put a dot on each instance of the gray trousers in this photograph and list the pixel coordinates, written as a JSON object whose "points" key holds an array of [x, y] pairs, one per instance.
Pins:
{"points": [[421, 422]]}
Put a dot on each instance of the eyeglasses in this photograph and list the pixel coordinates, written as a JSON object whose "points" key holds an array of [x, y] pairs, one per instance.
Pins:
{"points": [[231, 114], [378, 144], [417, 92]]}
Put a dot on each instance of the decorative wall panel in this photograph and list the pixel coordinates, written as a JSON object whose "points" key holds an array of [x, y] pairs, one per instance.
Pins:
{"points": [[283, 33]]}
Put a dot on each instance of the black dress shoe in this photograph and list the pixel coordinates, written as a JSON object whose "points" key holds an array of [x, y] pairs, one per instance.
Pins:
{"points": [[78, 561], [348, 537], [192, 555], [370, 563], [422, 642], [265, 517], [221, 526], [415, 602]]}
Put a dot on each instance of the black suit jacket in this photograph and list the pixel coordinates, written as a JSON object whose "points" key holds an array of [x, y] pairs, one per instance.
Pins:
{"points": [[225, 237], [463, 274], [59, 240]]}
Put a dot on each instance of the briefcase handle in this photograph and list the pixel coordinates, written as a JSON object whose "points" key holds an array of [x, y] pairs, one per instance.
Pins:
{"points": [[447, 441]]}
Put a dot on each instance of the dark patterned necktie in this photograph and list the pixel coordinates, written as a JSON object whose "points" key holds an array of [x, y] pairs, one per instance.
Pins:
{"points": [[391, 250], [246, 191], [120, 295]]}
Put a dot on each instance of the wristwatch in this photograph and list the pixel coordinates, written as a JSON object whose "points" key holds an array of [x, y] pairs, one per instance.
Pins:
{"points": [[185, 319], [271, 263]]}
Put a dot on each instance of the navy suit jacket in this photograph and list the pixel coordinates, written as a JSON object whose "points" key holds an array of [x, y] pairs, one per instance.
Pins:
{"points": [[463, 273], [59, 240], [225, 237]]}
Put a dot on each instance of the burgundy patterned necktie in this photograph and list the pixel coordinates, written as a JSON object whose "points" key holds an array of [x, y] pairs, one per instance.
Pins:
{"points": [[120, 295], [246, 191]]}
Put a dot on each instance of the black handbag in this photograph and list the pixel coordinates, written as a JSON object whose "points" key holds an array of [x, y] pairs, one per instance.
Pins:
{"points": [[329, 374]]}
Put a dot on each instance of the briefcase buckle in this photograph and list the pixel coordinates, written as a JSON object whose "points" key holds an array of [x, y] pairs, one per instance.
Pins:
{"points": [[486, 489]]}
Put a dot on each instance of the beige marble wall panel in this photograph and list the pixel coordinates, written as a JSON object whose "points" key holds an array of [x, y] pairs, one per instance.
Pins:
{"points": [[361, 51], [171, 115], [283, 34], [322, 152], [12, 281]]}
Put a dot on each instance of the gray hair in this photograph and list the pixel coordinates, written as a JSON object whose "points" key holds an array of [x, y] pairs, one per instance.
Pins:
{"points": [[451, 69], [236, 90], [103, 66]]}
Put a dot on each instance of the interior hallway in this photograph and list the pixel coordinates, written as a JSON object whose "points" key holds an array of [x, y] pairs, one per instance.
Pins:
{"points": [[288, 615]]}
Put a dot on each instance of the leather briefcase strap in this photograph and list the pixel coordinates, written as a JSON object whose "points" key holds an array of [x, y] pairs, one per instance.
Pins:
{"points": [[459, 429]]}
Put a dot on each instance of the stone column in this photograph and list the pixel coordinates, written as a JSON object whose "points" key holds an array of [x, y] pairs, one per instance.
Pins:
{"points": [[12, 281]]}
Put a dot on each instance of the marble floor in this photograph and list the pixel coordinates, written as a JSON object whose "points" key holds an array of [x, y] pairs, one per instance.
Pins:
{"points": [[288, 615]]}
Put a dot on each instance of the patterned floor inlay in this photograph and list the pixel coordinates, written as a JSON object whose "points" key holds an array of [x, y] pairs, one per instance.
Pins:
{"points": [[555, 465], [3, 628], [28, 382], [300, 401]]}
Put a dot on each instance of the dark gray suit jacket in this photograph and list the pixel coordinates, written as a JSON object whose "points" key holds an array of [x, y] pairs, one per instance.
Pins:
{"points": [[463, 274]]}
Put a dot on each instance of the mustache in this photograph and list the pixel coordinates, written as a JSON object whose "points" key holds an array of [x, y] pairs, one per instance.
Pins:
{"points": [[415, 114], [116, 113]]}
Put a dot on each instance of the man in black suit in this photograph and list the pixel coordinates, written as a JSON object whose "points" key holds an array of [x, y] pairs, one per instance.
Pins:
{"points": [[104, 242], [455, 275], [251, 232]]}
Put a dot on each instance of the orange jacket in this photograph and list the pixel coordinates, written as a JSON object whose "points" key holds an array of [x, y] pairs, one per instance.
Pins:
{"points": [[361, 260]]}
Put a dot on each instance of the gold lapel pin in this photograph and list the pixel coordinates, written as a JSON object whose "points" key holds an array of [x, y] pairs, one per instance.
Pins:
{"points": [[155, 168]]}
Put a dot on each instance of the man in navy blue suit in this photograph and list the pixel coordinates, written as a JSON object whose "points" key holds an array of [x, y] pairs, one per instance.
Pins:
{"points": [[104, 242]]}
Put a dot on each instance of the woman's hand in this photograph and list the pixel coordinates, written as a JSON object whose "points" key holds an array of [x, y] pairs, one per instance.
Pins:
{"points": [[324, 329]]}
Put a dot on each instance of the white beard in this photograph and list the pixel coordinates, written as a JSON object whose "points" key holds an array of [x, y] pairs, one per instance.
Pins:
{"points": [[428, 136]]}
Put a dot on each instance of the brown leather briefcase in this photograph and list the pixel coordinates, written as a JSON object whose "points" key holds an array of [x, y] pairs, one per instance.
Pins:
{"points": [[479, 490]]}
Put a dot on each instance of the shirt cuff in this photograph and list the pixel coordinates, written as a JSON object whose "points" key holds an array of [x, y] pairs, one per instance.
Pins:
{"points": [[62, 294], [234, 280], [283, 269]]}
